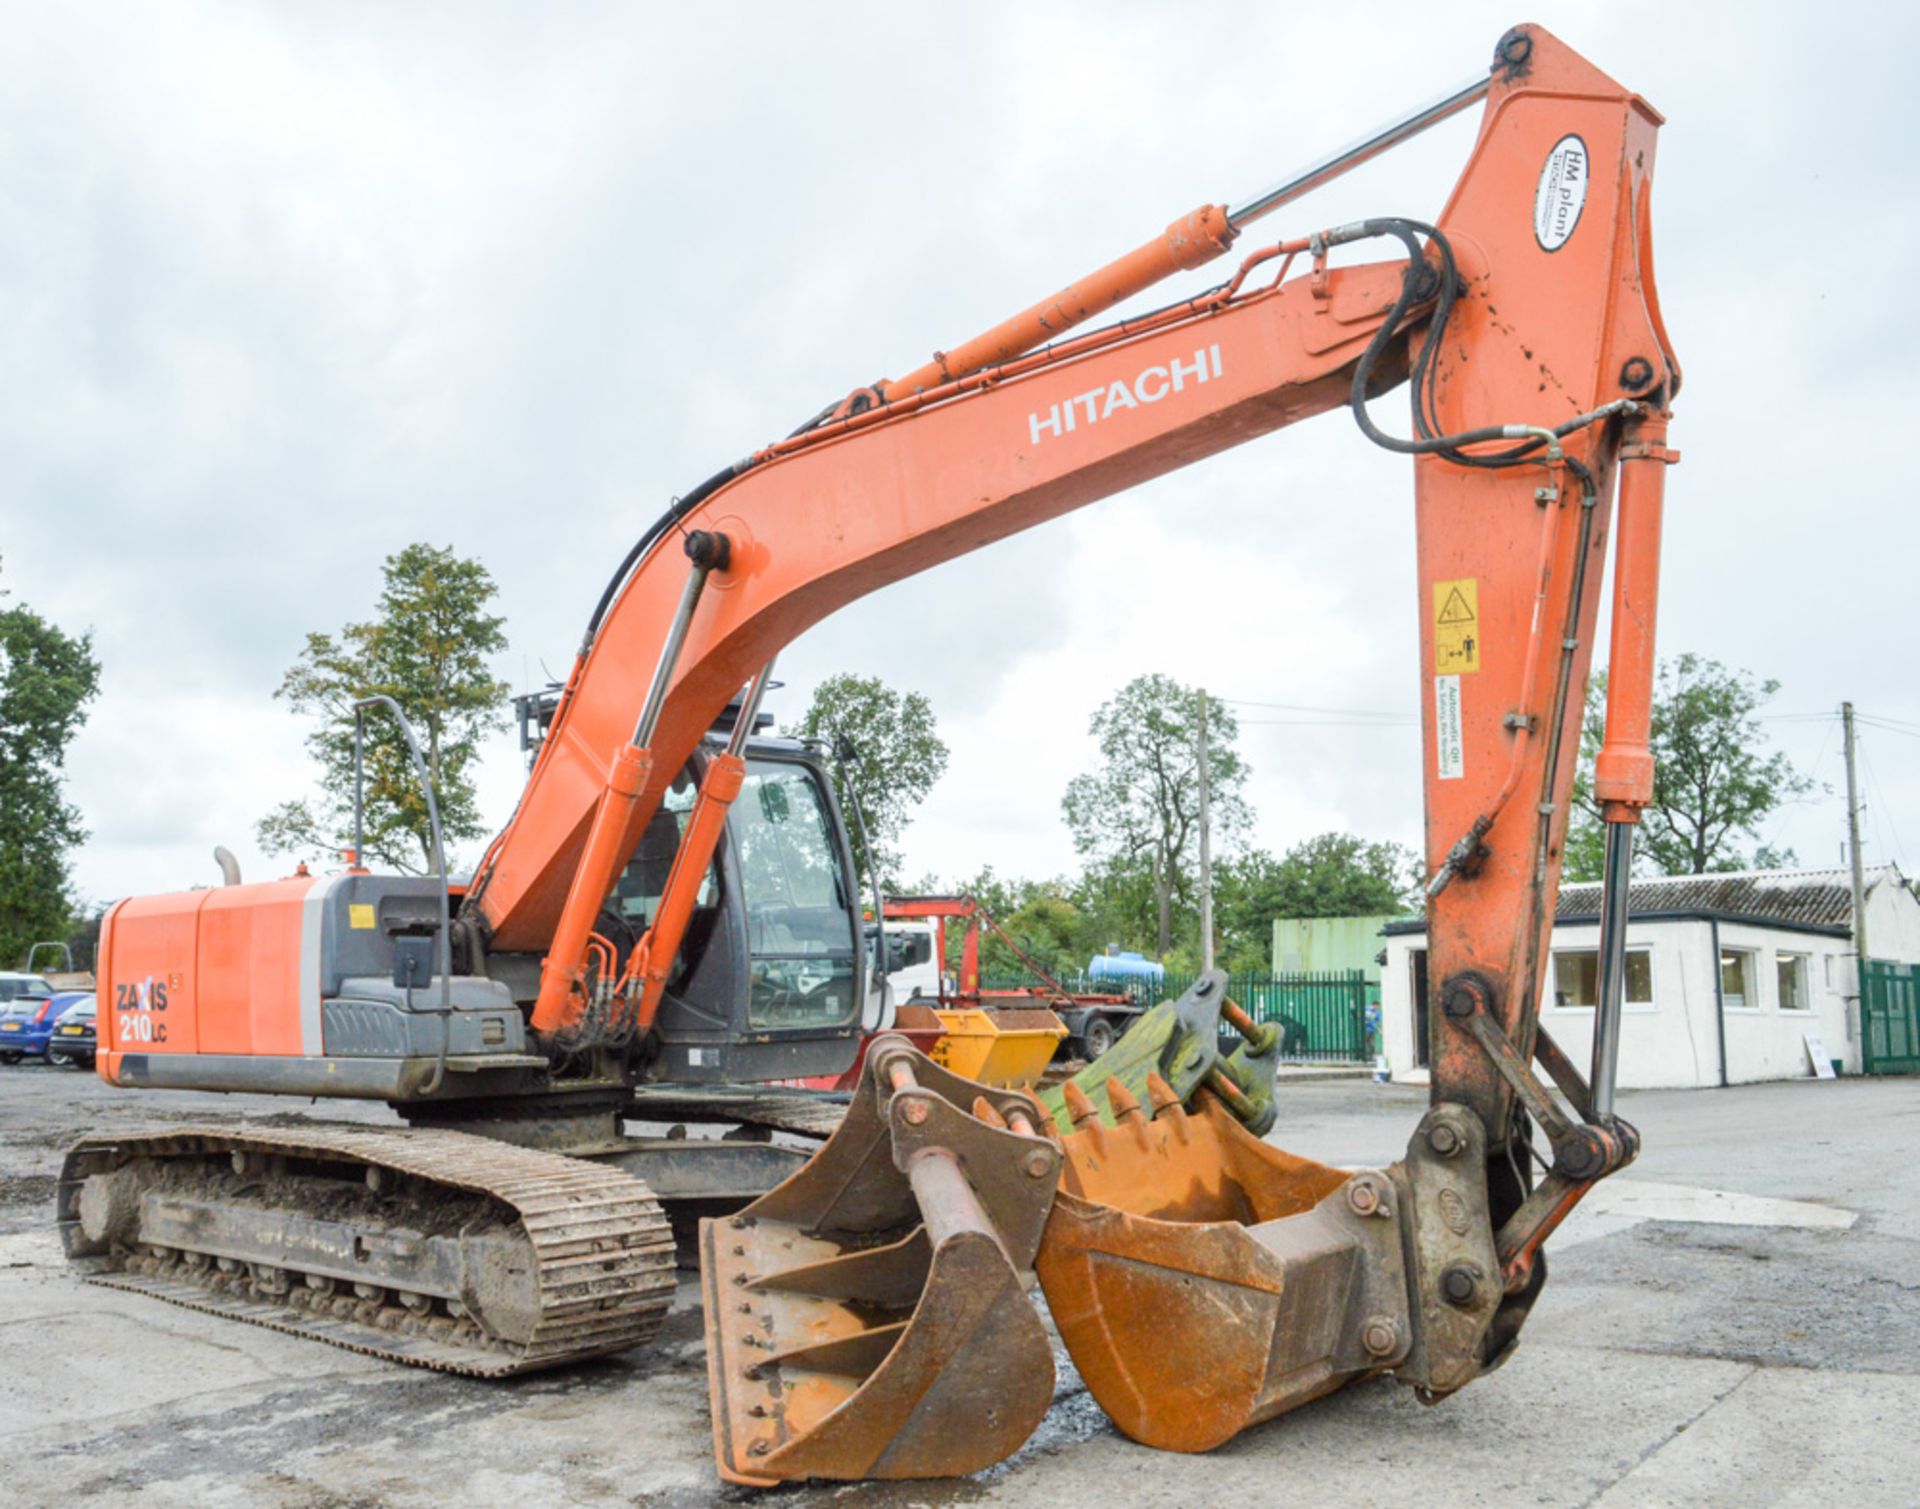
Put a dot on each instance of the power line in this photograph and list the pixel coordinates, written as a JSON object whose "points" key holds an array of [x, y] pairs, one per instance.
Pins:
{"points": [[1326, 723], [1880, 803], [1887, 728], [1301, 707], [1826, 744]]}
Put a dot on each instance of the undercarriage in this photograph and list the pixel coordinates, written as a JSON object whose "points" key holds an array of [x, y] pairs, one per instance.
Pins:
{"points": [[489, 1246]]}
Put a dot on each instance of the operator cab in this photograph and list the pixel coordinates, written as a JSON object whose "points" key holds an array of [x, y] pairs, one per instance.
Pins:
{"points": [[778, 907]]}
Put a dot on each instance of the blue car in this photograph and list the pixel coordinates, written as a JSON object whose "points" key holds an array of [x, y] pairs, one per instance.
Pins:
{"points": [[27, 1022]]}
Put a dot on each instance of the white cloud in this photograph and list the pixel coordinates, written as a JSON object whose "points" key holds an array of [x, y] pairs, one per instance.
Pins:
{"points": [[289, 287]]}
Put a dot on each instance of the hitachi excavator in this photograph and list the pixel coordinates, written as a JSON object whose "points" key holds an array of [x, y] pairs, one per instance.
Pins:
{"points": [[869, 1316]]}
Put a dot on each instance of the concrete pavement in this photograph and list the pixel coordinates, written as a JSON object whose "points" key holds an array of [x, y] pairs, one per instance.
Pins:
{"points": [[1737, 1322]]}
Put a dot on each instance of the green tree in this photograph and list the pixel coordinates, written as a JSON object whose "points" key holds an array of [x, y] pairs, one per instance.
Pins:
{"points": [[1045, 927], [893, 752], [1142, 807], [1715, 782], [428, 649], [1330, 875], [47, 678], [1118, 906]]}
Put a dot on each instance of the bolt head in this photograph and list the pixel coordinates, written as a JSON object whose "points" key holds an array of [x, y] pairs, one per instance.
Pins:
{"points": [[1363, 1198], [914, 1113], [1038, 1165], [1636, 374], [1443, 1139], [1380, 1336], [1458, 1286], [759, 1448]]}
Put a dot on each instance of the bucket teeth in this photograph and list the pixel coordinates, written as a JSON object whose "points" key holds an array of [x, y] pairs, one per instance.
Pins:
{"points": [[1126, 1109], [1179, 1041], [869, 1318], [1203, 1281]]}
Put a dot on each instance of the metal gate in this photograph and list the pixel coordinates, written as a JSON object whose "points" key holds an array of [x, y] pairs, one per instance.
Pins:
{"points": [[1322, 1016], [1889, 1017]]}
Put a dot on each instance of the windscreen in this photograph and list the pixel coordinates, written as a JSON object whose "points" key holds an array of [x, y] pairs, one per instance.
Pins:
{"points": [[799, 924]]}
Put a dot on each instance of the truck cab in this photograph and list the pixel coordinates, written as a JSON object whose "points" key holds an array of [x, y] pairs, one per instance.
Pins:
{"points": [[913, 959]]}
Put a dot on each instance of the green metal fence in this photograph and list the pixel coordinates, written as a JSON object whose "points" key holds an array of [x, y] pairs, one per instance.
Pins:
{"points": [[1322, 1015], [1889, 1017]]}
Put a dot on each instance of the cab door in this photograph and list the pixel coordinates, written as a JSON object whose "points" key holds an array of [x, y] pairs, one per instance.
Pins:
{"points": [[770, 981]]}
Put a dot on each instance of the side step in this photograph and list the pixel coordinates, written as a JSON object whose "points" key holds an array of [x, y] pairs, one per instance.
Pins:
{"points": [[420, 1245]]}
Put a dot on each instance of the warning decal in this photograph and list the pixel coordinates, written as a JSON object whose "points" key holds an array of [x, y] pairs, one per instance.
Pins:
{"points": [[1456, 627], [1450, 755], [360, 915]]}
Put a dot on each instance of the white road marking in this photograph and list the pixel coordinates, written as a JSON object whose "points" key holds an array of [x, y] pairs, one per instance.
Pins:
{"points": [[1618, 1204]]}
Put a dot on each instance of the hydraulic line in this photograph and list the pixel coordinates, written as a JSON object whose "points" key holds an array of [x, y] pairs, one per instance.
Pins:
{"points": [[1427, 440]]}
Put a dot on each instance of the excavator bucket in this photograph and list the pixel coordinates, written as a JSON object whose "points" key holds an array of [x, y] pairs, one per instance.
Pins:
{"points": [[869, 1318], [1178, 1040], [1203, 1281]]}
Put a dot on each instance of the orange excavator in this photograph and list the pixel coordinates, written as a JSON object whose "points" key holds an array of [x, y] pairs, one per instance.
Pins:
{"points": [[868, 1317]]}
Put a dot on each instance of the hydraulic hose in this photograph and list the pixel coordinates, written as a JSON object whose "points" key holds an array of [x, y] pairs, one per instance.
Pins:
{"points": [[676, 511]]}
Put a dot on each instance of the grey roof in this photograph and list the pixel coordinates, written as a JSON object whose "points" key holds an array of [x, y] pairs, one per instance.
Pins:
{"points": [[1810, 899], [1819, 898]]}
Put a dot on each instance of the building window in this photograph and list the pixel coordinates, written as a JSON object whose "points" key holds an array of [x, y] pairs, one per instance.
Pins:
{"points": [[1576, 979], [1793, 982], [1736, 980]]}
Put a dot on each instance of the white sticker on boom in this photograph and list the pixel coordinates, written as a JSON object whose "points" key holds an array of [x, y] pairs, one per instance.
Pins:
{"points": [[1562, 193], [1451, 755]]}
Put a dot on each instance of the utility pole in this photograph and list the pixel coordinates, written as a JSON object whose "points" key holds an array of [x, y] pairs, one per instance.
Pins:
{"points": [[1206, 849], [1859, 871]]}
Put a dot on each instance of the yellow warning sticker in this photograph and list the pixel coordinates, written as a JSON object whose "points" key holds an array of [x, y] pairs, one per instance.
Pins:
{"points": [[1456, 627], [360, 914]]}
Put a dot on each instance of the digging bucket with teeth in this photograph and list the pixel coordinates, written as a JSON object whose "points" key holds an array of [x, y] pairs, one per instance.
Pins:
{"points": [[869, 1318], [1203, 1280]]}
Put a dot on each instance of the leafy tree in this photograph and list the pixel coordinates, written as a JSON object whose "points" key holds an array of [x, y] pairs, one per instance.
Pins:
{"points": [[1331, 875], [1118, 905], [1714, 784], [1142, 807], [428, 649], [893, 757], [84, 939], [1045, 927], [47, 678]]}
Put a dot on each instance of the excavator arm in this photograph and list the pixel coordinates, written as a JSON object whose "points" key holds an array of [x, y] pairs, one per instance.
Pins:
{"points": [[1525, 325], [1549, 320]]}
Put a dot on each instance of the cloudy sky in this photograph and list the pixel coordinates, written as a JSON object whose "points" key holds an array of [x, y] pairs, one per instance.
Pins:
{"points": [[284, 288]]}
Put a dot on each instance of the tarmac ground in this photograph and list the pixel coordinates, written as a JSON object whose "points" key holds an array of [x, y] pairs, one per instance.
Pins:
{"points": [[1734, 1320]]}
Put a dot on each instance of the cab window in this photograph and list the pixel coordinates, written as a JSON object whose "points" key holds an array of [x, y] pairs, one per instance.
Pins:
{"points": [[799, 925]]}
